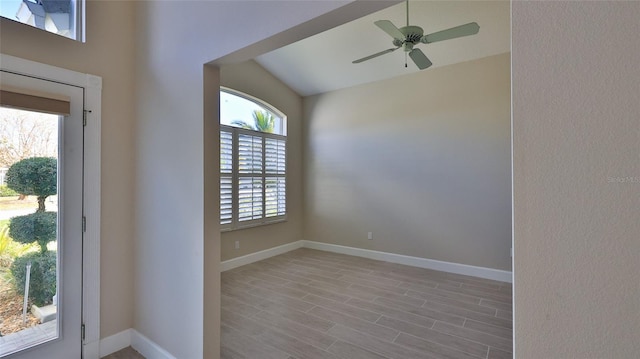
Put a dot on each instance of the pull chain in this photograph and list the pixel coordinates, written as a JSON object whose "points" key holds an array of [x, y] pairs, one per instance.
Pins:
{"points": [[405, 54]]}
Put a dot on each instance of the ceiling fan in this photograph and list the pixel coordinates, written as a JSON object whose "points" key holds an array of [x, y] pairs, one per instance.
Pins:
{"points": [[408, 36]]}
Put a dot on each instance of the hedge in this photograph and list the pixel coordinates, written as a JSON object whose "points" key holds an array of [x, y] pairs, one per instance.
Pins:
{"points": [[42, 283]]}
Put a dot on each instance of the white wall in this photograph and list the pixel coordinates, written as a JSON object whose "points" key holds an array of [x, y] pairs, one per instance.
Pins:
{"points": [[421, 161], [576, 123], [178, 249]]}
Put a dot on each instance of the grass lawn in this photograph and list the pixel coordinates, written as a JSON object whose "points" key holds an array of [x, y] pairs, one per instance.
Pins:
{"points": [[12, 203]]}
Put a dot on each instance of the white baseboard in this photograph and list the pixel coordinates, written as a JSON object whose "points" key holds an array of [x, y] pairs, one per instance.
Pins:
{"points": [[258, 256], [137, 341], [457, 268], [112, 344], [147, 347]]}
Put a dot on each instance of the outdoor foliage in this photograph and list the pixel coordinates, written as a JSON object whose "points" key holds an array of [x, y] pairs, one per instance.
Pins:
{"points": [[10, 249], [39, 227], [263, 121], [5, 243], [35, 176], [5, 191], [42, 286], [25, 134]]}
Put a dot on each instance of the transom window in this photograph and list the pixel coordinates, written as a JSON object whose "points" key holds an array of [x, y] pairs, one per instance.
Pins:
{"points": [[253, 150], [62, 17]]}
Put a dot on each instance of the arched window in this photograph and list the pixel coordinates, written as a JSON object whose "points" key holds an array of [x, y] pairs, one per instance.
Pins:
{"points": [[253, 156]]}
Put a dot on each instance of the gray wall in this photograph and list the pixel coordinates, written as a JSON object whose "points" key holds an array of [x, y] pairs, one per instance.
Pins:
{"points": [[422, 161], [249, 77], [576, 125]]}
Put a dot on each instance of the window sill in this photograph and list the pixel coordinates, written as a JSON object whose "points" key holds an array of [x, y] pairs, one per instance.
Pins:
{"points": [[254, 225]]}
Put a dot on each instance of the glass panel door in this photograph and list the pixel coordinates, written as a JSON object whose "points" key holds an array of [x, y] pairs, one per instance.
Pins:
{"points": [[40, 225]]}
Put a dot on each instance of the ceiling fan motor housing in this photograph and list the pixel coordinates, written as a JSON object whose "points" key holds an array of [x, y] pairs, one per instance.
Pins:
{"points": [[412, 34]]}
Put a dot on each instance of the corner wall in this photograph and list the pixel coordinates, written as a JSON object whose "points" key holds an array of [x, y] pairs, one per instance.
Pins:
{"points": [[576, 145], [251, 78], [421, 161], [177, 250]]}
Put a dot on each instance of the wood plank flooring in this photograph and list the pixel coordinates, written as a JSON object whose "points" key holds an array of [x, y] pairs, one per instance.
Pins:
{"points": [[126, 353], [309, 304]]}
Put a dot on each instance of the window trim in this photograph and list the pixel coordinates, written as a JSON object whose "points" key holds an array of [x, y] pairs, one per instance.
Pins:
{"points": [[260, 103], [235, 175], [77, 14], [92, 86]]}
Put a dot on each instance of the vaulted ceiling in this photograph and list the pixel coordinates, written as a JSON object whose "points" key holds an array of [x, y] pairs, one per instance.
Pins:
{"points": [[323, 62]]}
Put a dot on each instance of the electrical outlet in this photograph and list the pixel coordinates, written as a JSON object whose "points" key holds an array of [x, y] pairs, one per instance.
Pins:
{"points": [[369, 235], [237, 244]]}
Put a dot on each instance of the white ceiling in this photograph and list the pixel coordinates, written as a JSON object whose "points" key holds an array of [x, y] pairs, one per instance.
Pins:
{"points": [[322, 63]]}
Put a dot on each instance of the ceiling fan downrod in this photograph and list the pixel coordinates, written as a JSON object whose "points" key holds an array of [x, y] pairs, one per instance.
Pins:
{"points": [[407, 12]]}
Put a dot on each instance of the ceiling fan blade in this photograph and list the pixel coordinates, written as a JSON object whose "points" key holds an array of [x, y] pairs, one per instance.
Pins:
{"points": [[471, 28], [420, 59], [374, 55], [391, 29]]}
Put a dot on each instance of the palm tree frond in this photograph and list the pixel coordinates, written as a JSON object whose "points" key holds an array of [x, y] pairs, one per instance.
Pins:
{"points": [[264, 121], [243, 124]]}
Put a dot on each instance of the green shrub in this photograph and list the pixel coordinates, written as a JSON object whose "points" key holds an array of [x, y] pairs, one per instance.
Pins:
{"points": [[42, 284], [39, 227], [35, 176], [10, 249], [5, 191], [5, 244]]}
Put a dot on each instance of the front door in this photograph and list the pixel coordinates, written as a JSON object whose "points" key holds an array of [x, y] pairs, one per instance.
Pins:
{"points": [[41, 223]]}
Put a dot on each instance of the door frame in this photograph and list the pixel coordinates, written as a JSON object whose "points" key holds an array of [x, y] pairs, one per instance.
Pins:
{"points": [[92, 86]]}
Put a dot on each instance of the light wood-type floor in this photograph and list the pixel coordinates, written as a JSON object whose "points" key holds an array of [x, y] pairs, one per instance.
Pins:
{"points": [[309, 304], [126, 353]]}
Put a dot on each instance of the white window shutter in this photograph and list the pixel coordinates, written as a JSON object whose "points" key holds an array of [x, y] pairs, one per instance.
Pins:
{"points": [[249, 154], [252, 177], [275, 193], [226, 152], [249, 198], [226, 200], [226, 178]]}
